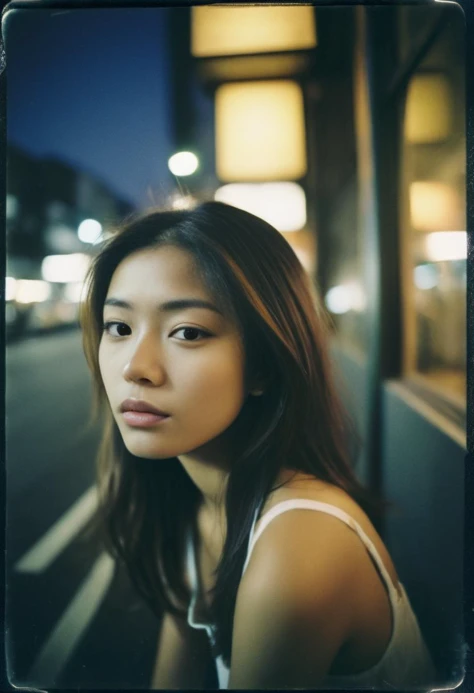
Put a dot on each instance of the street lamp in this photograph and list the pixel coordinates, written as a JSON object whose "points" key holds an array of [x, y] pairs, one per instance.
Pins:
{"points": [[183, 164], [89, 231]]}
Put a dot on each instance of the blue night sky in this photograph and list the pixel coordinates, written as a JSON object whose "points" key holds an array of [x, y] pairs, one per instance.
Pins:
{"points": [[91, 87]]}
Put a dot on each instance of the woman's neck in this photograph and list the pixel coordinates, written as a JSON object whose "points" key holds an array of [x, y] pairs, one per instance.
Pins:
{"points": [[208, 468]]}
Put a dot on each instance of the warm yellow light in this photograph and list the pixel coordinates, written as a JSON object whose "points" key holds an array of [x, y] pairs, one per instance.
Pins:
{"points": [[183, 164], [283, 205], [32, 291], [238, 30], [446, 245], [305, 257], [435, 206], [428, 110], [260, 131], [65, 268]]}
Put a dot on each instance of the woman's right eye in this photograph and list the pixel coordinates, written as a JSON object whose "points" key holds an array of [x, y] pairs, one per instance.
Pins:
{"points": [[117, 329]]}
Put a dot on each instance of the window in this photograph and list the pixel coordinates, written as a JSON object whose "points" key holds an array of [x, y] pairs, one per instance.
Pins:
{"points": [[433, 219]]}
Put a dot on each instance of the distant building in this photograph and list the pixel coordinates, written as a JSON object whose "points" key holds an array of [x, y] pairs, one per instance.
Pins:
{"points": [[46, 201]]}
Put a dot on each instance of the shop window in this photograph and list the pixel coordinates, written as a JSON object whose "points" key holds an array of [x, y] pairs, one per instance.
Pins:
{"points": [[434, 219]]}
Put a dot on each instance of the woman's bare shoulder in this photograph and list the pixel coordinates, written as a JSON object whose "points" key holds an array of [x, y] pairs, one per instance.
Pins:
{"points": [[289, 604], [310, 582], [293, 485]]}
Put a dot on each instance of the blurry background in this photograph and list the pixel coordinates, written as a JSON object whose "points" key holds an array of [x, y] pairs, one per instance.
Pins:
{"points": [[343, 127]]}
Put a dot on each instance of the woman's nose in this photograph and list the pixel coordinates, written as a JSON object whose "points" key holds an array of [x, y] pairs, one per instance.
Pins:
{"points": [[145, 363]]}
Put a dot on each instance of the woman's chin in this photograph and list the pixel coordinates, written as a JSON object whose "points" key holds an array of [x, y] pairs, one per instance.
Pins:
{"points": [[148, 452]]}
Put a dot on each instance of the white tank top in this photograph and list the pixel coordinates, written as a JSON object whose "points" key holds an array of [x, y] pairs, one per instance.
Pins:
{"points": [[406, 662]]}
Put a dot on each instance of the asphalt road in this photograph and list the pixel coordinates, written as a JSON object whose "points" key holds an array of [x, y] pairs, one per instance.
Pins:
{"points": [[72, 619]]}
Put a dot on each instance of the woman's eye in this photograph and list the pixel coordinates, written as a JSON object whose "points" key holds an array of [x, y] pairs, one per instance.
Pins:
{"points": [[191, 334], [117, 329]]}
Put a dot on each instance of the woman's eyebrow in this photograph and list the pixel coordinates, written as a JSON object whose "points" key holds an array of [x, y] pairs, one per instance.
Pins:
{"points": [[168, 306]]}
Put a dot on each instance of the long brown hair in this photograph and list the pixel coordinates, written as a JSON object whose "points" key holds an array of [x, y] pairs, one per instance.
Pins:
{"points": [[147, 508]]}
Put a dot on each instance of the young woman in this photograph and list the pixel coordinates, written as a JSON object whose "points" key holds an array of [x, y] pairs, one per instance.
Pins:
{"points": [[224, 481]]}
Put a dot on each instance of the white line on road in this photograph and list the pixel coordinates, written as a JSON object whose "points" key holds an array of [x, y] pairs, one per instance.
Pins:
{"points": [[45, 551], [70, 628]]}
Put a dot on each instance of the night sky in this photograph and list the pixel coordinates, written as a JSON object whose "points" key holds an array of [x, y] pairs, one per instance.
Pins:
{"points": [[91, 87]]}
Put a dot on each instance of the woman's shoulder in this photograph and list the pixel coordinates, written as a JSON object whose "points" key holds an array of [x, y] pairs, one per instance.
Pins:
{"points": [[289, 600], [283, 551], [295, 485], [315, 531], [311, 585]]}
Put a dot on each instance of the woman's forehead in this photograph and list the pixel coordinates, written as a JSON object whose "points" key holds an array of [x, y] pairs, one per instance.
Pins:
{"points": [[162, 269], [167, 273]]}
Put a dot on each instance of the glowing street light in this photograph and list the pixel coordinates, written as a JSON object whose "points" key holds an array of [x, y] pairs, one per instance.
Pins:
{"points": [[89, 231], [183, 164]]}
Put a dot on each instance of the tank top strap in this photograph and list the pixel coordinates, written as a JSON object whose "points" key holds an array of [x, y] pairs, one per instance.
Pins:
{"points": [[307, 504], [191, 569]]}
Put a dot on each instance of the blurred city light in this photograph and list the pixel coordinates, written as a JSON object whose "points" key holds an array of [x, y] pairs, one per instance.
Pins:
{"points": [[281, 204], [61, 238], [89, 231], [260, 131], [435, 206], [426, 277], [242, 30], [10, 288], [446, 245], [65, 268], [32, 291], [11, 206], [428, 110], [183, 164], [342, 298], [74, 292], [338, 300]]}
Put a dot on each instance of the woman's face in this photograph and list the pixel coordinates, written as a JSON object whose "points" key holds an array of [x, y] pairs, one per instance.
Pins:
{"points": [[166, 347]]}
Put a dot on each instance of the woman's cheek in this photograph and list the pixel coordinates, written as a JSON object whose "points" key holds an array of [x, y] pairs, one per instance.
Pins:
{"points": [[109, 371], [104, 366], [218, 373]]}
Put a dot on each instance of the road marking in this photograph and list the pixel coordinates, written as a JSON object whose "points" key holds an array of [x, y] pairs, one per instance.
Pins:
{"points": [[46, 550], [72, 625]]}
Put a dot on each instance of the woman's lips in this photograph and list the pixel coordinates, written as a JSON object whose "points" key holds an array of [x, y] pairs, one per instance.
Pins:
{"points": [[142, 419], [141, 414]]}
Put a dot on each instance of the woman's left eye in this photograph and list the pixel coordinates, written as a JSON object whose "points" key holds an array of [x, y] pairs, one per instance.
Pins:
{"points": [[191, 334]]}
